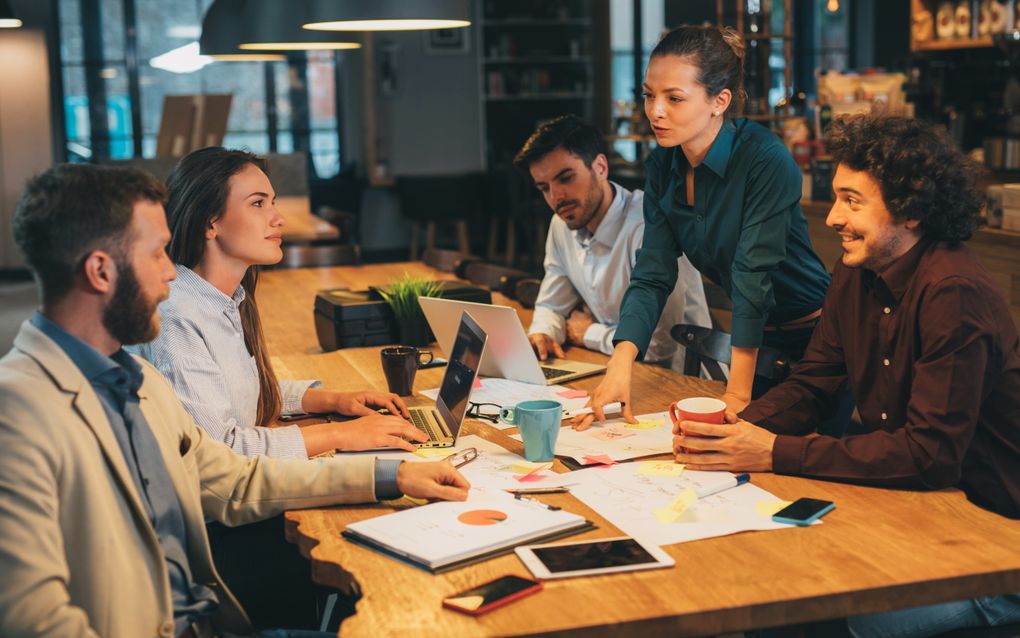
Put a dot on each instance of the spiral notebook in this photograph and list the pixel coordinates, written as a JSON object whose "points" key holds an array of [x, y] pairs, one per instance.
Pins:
{"points": [[443, 536]]}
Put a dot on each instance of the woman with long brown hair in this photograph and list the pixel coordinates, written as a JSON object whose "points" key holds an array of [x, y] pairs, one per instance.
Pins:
{"points": [[211, 347]]}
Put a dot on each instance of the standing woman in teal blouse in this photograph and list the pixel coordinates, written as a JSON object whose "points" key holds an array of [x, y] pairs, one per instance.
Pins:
{"points": [[726, 193]]}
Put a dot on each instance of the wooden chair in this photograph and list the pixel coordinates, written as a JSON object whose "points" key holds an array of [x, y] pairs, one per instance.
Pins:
{"points": [[449, 260], [710, 348], [318, 254], [526, 291], [495, 278]]}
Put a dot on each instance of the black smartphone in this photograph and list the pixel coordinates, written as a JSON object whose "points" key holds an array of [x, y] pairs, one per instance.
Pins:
{"points": [[803, 511], [493, 594]]}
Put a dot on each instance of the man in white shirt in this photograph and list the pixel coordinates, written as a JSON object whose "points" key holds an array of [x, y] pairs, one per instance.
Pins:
{"points": [[591, 248]]}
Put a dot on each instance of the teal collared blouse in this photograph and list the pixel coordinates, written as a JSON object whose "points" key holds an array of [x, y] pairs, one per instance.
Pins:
{"points": [[745, 231]]}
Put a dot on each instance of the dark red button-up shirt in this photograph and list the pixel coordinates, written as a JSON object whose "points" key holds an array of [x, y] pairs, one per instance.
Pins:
{"points": [[933, 360]]}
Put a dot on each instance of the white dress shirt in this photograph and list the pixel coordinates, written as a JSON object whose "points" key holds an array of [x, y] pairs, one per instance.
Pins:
{"points": [[200, 350], [595, 269]]}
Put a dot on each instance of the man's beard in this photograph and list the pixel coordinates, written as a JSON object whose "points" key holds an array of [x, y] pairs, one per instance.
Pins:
{"points": [[591, 205], [129, 317]]}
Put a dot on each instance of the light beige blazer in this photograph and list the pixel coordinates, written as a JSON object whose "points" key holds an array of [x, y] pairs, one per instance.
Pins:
{"points": [[78, 556]]}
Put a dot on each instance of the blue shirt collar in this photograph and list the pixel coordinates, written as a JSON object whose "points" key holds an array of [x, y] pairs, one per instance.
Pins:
{"points": [[92, 363], [718, 157]]}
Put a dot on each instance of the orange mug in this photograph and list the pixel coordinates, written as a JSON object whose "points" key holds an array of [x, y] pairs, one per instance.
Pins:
{"points": [[704, 409]]}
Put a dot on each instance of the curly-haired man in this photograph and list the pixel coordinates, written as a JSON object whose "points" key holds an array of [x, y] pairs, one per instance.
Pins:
{"points": [[914, 322]]}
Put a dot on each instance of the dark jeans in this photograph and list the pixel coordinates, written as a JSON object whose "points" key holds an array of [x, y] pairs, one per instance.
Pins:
{"points": [[268, 575], [793, 343]]}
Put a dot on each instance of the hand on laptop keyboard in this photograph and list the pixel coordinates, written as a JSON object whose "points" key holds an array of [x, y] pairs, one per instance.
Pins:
{"points": [[378, 431]]}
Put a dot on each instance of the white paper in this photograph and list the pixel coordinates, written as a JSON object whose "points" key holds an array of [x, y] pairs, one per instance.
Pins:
{"points": [[577, 445], [629, 500], [444, 532], [492, 470], [506, 393]]}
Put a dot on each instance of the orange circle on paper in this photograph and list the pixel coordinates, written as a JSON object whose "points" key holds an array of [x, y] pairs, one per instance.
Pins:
{"points": [[482, 517]]}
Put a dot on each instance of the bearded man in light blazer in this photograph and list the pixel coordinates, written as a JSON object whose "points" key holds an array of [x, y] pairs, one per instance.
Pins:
{"points": [[105, 481]]}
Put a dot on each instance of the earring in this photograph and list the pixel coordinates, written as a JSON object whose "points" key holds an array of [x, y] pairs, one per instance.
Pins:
{"points": [[716, 114]]}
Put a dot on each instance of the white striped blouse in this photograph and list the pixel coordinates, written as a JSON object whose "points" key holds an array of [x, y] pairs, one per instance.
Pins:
{"points": [[200, 350]]}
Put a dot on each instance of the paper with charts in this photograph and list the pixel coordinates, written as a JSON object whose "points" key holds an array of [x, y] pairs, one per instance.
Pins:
{"points": [[506, 393], [617, 439], [441, 533], [494, 469], [632, 498]]}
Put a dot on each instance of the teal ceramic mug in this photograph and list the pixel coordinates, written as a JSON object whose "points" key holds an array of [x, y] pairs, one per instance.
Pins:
{"points": [[539, 423]]}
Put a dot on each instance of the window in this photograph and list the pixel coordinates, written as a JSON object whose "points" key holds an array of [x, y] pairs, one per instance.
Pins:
{"points": [[99, 109]]}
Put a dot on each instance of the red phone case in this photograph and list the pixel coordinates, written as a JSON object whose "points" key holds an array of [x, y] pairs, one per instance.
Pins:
{"points": [[537, 587]]}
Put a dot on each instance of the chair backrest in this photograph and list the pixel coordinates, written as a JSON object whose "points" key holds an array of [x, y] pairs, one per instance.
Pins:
{"points": [[439, 197], [495, 278], [526, 291], [320, 254], [710, 348], [448, 260]]}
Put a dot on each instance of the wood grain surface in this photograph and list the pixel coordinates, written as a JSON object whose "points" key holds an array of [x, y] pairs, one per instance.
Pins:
{"points": [[880, 549]]}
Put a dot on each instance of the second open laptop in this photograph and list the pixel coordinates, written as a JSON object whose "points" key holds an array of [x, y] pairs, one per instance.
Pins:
{"points": [[508, 353], [442, 423]]}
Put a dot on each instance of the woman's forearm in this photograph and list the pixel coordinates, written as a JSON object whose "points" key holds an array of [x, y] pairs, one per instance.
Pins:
{"points": [[741, 381]]}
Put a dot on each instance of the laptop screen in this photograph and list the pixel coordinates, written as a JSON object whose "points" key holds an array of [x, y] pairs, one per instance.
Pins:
{"points": [[464, 358]]}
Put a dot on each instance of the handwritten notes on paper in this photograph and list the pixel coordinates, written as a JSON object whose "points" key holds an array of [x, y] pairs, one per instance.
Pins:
{"points": [[672, 512], [604, 438], [660, 468], [611, 433]]}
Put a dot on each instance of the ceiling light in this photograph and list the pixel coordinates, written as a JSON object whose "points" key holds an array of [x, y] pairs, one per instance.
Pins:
{"points": [[386, 15], [271, 25], [185, 59], [7, 18], [221, 34]]}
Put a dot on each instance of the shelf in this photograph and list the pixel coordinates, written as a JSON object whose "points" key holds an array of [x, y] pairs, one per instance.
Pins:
{"points": [[952, 43], [533, 22], [561, 59], [538, 96]]}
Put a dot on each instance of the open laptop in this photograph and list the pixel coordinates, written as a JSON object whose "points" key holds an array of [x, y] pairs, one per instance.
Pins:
{"points": [[442, 423], [509, 354]]}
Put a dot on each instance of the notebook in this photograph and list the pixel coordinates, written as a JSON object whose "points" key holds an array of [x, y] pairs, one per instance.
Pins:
{"points": [[446, 535]]}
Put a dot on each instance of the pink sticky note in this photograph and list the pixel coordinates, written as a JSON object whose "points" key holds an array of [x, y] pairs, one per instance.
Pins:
{"points": [[478, 383], [600, 459], [529, 478], [572, 394]]}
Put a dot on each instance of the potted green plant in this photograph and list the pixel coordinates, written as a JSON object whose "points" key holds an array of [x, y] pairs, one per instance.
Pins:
{"points": [[402, 296]]}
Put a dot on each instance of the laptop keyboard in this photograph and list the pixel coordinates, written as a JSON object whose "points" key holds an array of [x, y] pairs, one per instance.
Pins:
{"points": [[553, 373], [420, 420]]}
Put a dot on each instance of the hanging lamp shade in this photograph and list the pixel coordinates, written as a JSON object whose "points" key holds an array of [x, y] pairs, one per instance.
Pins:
{"points": [[7, 18], [386, 15], [272, 25], [221, 34]]}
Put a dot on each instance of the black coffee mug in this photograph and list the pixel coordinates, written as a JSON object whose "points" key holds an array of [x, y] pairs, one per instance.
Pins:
{"points": [[399, 364]]}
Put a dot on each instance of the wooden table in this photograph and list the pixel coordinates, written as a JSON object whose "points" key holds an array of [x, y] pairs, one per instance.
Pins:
{"points": [[880, 549], [300, 225]]}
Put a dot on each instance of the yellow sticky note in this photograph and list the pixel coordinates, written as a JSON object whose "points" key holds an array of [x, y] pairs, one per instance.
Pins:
{"points": [[645, 424], [675, 510], [660, 468], [433, 452], [766, 509], [525, 467]]}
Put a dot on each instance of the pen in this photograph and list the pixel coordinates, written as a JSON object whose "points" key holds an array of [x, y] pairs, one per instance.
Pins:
{"points": [[739, 479], [560, 489], [609, 408]]}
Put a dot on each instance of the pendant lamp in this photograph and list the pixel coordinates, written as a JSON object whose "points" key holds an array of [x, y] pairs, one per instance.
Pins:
{"points": [[272, 25], [221, 34], [386, 15], [7, 18]]}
